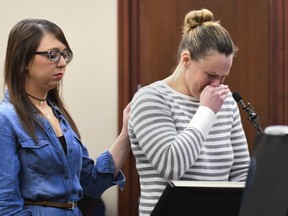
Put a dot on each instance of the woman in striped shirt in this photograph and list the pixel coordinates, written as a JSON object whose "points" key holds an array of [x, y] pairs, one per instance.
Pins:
{"points": [[188, 126]]}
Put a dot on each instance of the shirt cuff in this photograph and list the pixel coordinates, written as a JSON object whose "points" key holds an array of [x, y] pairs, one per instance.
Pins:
{"points": [[120, 180], [203, 120], [105, 164]]}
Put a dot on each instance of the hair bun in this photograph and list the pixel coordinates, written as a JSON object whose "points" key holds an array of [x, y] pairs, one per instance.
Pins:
{"points": [[197, 18]]}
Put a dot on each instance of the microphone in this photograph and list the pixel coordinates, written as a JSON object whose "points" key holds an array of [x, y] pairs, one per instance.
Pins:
{"points": [[252, 116]]}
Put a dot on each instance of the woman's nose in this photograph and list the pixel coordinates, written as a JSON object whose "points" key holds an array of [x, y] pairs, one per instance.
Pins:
{"points": [[61, 62], [216, 83]]}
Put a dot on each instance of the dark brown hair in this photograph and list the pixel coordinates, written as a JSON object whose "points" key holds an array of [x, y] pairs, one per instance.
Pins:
{"points": [[23, 41]]}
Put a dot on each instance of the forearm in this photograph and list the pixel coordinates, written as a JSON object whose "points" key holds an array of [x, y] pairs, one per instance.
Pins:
{"points": [[120, 150]]}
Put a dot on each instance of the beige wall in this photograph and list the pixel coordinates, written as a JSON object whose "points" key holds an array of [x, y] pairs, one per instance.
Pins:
{"points": [[90, 83]]}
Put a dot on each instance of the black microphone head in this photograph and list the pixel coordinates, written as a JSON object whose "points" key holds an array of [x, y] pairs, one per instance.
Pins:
{"points": [[236, 97]]}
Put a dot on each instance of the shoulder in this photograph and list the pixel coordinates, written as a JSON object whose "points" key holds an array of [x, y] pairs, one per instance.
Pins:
{"points": [[9, 119], [7, 109], [150, 98], [154, 90]]}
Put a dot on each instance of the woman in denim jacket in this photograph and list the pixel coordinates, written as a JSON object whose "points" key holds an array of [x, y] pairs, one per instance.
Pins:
{"points": [[44, 167]]}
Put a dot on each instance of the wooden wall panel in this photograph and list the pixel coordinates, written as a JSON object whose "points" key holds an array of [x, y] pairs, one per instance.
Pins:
{"points": [[149, 34], [278, 62], [285, 71], [128, 76]]}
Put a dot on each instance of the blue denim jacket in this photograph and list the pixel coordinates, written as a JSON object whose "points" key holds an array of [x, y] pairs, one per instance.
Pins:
{"points": [[41, 171]]}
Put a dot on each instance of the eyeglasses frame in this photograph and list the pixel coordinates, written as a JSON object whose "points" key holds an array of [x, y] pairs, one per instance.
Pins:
{"points": [[48, 53]]}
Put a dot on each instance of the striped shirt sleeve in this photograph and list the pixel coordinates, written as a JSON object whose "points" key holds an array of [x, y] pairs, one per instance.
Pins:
{"points": [[154, 129]]}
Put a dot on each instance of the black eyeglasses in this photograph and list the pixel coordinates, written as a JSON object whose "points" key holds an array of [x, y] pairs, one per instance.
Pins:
{"points": [[55, 55]]}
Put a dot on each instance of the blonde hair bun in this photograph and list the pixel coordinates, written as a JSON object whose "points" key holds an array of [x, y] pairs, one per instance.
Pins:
{"points": [[197, 18]]}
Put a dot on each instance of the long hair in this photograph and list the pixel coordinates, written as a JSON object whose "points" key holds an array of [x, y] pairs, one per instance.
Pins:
{"points": [[23, 41]]}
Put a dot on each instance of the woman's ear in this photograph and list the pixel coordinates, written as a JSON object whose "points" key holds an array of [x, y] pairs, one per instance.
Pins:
{"points": [[27, 66], [185, 58]]}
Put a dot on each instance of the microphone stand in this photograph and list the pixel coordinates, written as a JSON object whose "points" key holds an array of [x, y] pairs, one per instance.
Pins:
{"points": [[252, 116]]}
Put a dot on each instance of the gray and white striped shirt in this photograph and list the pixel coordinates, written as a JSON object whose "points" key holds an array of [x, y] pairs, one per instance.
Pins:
{"points": [[173, 138]]}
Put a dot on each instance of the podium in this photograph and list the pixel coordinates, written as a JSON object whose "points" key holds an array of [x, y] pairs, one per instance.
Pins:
{"points": [[266, 191], [200, 198]]}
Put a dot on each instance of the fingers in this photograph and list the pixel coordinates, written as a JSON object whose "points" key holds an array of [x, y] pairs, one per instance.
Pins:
{"points": [[213, 97], [223, 90], [222, 87], [127, 108]]}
